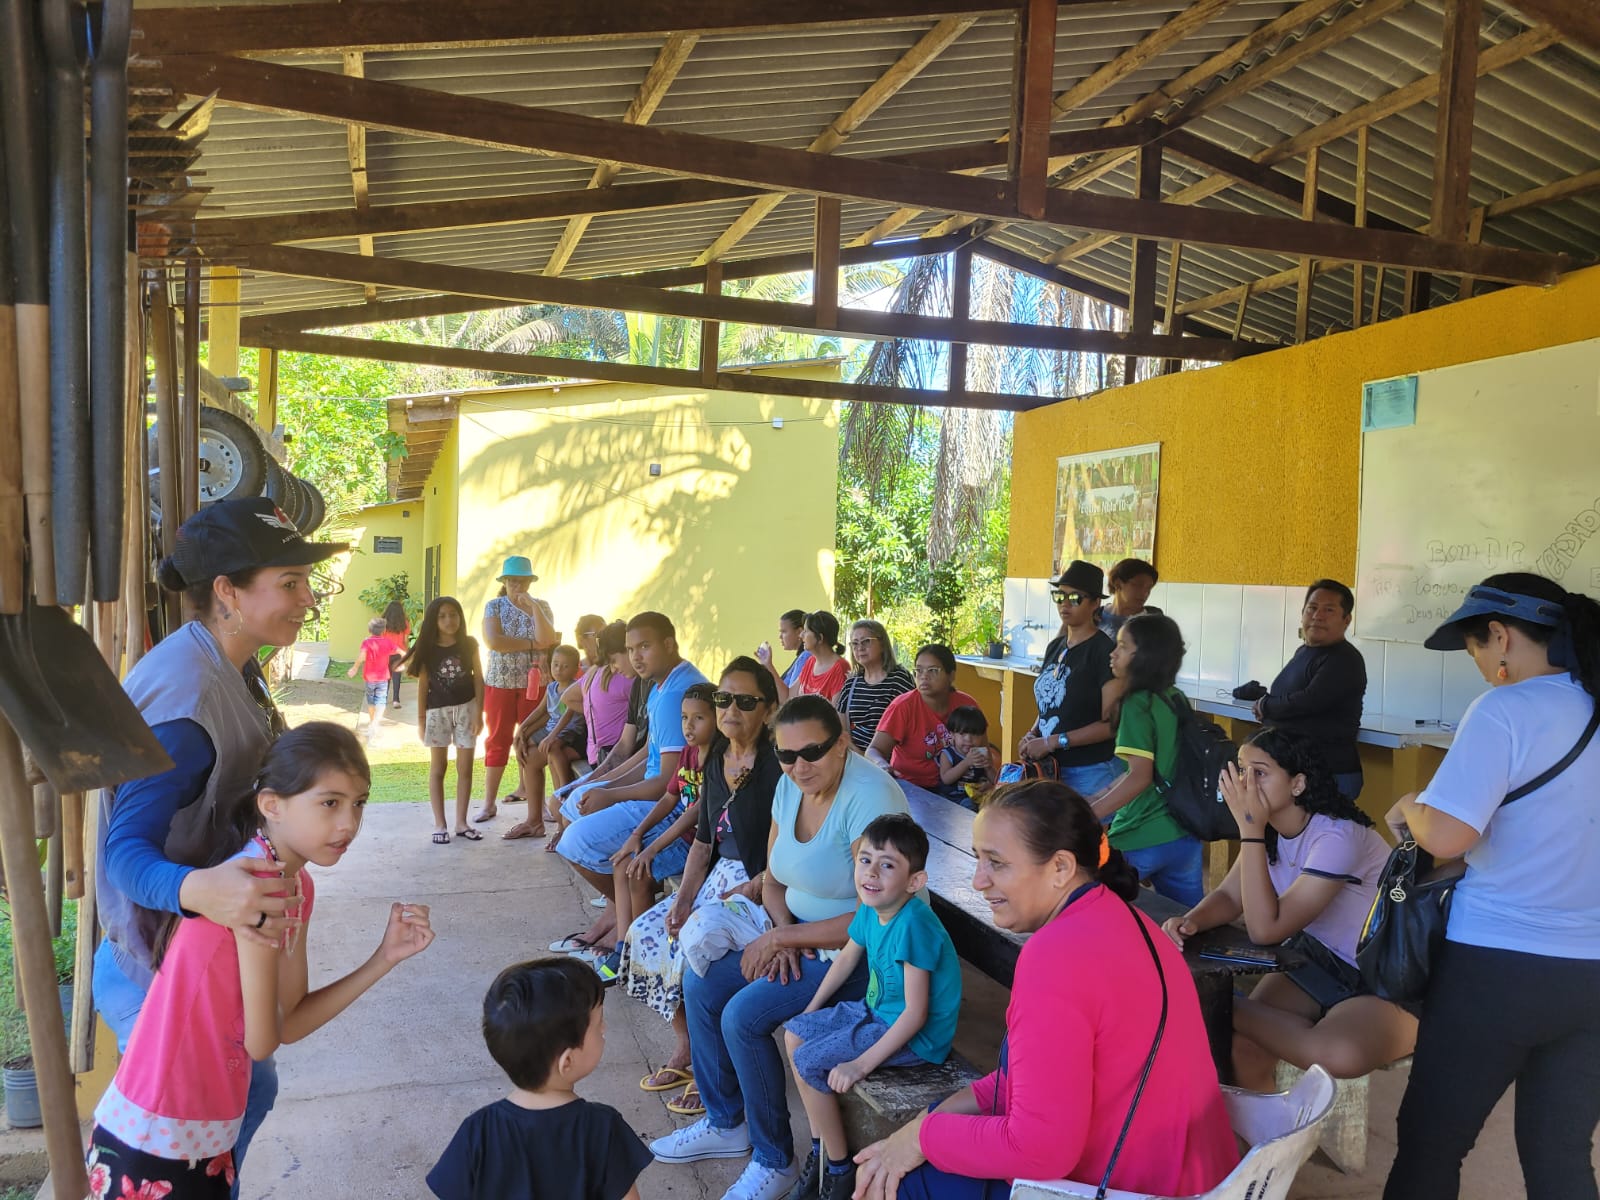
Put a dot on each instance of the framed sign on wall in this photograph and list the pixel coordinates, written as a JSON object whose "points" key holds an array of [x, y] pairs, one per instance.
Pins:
{"points": [[1106, 506]]}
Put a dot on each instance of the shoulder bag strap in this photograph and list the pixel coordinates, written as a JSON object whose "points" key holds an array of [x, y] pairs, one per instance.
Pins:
{"points": [[1534, 785], [1149, 1061]]}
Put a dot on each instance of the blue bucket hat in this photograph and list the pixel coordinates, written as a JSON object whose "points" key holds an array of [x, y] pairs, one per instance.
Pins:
{"points": [[1492, 602], [517, 567]]}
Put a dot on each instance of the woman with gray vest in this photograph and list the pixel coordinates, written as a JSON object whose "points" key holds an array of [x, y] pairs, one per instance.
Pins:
{"points": [[245, 571]]}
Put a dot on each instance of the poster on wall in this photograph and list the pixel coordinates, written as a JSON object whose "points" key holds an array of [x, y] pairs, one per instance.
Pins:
{"points": [[1106, 506]]}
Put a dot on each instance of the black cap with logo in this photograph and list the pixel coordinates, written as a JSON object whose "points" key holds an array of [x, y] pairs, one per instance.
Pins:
{"points": [[237, 535]]}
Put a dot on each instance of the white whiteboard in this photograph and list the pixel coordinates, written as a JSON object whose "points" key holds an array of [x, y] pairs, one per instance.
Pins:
{"points": [[1501, 472]]}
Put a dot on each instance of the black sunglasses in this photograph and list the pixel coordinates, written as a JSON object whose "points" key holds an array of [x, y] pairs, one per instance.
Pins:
{"points": [[1067, 597], [810, 753], [745, 703]]}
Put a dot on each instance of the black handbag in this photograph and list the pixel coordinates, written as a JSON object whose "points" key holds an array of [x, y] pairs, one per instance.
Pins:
{"points": [[1406, 924]]}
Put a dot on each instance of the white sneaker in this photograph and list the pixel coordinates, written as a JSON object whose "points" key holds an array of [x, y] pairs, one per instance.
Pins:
{"points": [[762, 1183], [702, 1140]]}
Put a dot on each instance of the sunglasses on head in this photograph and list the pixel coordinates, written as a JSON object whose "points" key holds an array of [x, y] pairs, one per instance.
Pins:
{"points": [[1067, 597], [745, 703], [810, 753]]}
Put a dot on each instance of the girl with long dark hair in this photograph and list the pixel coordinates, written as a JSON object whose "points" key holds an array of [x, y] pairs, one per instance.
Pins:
{"points": [[397, 628], [450, 689]]}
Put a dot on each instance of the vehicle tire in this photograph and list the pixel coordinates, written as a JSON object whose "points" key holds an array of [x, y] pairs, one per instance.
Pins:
{"points": [[294, 499], [277, 486], [233, 462], [316, 508]]}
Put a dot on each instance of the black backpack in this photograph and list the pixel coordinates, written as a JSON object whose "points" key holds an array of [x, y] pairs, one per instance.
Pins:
{"points": [[1191, 794]]}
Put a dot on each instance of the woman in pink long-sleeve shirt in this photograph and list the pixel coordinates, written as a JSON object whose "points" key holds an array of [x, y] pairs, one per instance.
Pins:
{"points": [[1084, 1007]]}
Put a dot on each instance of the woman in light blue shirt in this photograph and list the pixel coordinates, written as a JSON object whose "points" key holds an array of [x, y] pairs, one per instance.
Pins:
{"points": [[827, 797], [1511, 995]]}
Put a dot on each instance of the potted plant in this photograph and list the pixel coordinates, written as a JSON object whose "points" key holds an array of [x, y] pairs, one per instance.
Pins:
{"points": [[16, 1067], [989, 636]]}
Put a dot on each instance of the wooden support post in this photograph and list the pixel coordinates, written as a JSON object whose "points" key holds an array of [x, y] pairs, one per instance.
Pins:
{"points": [[1452, 155], [825, 261], [1238, 317], [960, 306], [1358, 284], [1377, 297], [710, 331], [267, 393], [1474, 235], [189, 395], [37, 978], [1417, 295], [1031, 104], [222, 322], [1142, 290], [1170, 323], [355, 66], [1308, 211], [136, 508]]}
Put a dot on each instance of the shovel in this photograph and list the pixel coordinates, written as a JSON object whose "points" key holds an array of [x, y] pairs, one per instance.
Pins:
{"points": [[68, 708]]}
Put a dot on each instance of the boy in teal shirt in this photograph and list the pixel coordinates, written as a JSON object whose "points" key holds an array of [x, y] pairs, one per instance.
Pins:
{"points": [[913, 998]]}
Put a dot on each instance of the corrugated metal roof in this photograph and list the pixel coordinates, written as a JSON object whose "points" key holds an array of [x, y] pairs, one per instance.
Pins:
{"points": [[1537, 122]]}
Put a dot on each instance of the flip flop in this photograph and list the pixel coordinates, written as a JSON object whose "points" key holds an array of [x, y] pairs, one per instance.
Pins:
{"points": [[523, 829], [550, 846], [573, 943], [687, 1105], [513, 798], [680, 1077], [486, 815], [441, 838], [470, 835]]}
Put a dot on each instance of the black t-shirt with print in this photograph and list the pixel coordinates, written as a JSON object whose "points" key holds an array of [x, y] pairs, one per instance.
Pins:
{"points": [[1068, 692], [452, 673]]}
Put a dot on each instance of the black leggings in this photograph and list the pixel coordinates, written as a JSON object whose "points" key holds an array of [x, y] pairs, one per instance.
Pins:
{"points": [[1493, 1018], [394, 687]]}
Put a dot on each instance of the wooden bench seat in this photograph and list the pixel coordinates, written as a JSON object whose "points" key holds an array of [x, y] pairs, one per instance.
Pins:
{"points": [[1343, 1136], [891, 1096]]}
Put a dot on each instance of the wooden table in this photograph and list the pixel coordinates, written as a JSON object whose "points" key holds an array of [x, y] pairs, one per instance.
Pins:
{"points": [[992, 950]]}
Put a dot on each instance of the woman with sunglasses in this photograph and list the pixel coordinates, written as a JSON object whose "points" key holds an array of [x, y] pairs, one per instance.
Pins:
{"points": [[740, 776], [827, 798], [878, 679], [912, 733], [1075, 691]]}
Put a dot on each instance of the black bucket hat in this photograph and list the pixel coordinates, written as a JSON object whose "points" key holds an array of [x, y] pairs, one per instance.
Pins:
{"points": [[237, 535]]}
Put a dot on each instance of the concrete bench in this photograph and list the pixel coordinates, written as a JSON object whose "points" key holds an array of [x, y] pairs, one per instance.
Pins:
{"points": [[1343, 1136], [891, 1096]]}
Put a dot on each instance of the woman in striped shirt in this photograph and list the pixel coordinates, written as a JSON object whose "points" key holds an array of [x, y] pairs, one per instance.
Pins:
{"points": [[877, 679]]}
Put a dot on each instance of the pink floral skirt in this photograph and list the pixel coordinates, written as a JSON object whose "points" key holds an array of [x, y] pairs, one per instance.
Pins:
{"points": [[119, 1172]]}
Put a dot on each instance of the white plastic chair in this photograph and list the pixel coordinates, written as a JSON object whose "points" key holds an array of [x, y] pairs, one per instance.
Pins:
{"points": [[1281, 1131]]}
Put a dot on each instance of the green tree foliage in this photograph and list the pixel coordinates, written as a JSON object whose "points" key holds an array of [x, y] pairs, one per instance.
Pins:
{"points": [[378, 596]]}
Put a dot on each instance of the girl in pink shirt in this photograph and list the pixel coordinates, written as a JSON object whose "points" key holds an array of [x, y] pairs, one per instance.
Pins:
{"points": [[223, 999], [1085, 1004]]}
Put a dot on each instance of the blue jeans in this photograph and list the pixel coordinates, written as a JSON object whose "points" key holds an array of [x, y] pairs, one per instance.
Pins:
{"points": [[928, 1182], [118, 1000], [1172, 868], [1092, 778], [1349, 784], [737, 1063]]}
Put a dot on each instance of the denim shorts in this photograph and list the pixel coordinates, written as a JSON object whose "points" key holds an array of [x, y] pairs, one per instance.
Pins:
{"points": [[838, 1034], [378, 694]]}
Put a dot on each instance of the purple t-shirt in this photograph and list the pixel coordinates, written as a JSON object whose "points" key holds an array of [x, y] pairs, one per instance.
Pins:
{"points": [[1334, 849]]}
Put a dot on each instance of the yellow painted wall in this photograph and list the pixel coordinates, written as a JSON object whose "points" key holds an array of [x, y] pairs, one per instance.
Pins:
{"points": [[1260, 459], [360, 568], [440, 513], [737, 528]]}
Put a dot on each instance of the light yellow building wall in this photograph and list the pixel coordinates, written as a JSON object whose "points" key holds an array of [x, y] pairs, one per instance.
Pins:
{"points": [[363, 566], [1261, 459], [439, 527], [737, 527]]}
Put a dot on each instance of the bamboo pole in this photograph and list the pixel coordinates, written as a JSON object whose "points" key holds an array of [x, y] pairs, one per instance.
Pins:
{"points": [[37, 979], [136, 516]]}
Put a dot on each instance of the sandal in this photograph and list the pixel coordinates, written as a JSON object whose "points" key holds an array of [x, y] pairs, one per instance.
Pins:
{"points": [[470, 835], [523, 829], [486, 814], [550, 846], [573, 943], [687, 1105], [441, 838], [675, 1077], [513, 798]]}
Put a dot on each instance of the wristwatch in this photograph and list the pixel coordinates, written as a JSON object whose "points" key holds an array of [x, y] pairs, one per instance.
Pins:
{"points": [[1063, 741]]}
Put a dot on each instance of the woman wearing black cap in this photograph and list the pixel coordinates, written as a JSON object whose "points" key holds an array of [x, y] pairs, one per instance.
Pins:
{"points": [[1511, 996], [245, 570]]}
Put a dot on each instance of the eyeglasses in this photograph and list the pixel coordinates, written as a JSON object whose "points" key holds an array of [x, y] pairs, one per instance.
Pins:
{"points": [[1067, 597], [810, 753], [927, 672], [590, 633], [745, 703], [861, 643]]}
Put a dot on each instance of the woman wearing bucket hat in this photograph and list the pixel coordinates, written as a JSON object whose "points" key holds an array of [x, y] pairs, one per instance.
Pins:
{"points": [[515, 624], [1075, 691], [1511, 992], [245, 570]]}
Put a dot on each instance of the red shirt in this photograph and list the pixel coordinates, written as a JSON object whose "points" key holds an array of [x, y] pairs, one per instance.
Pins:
{"points": [[919, 734], [827, 684], [375, 653]]}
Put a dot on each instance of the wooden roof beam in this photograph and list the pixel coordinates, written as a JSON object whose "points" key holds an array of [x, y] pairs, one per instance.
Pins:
{"points": [[904, 69], [1458, 84], [849, 322], [652, 91], [1578, 20], [473, 120]]}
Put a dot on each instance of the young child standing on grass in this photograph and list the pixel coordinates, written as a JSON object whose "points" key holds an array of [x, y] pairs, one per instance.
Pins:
{"points": [[374, 664], [913, 998], [166, 1125], [544, 1022], [444, 661], [967, 766]]}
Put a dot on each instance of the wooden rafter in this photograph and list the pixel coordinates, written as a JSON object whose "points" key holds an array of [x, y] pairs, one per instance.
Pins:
{"points": [[1578, 20], [1512, 50], [1458, 85], [321, 27], [277, 88], [571, 368], [1142, 288], [1302, 307], [652, 90], [850, 322], [904, 69]]}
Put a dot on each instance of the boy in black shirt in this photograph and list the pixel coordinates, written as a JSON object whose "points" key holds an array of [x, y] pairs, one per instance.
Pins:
{"points": [[545, 1025]]}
